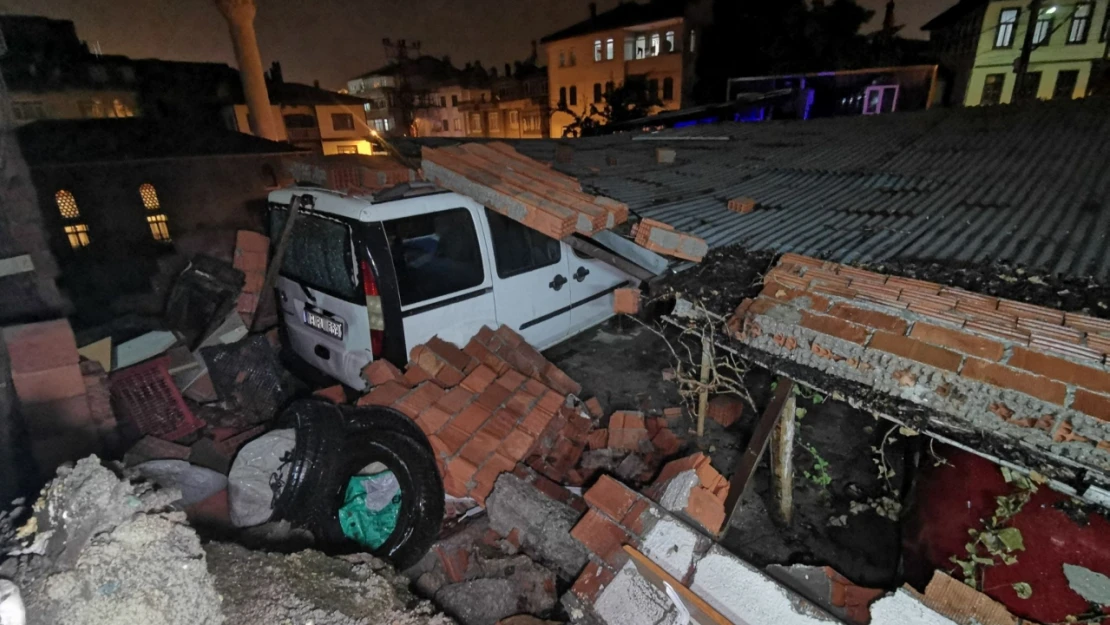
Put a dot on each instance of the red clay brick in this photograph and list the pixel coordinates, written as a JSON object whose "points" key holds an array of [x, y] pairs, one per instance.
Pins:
{"points": [[560, 381], [40, 346], [511, 380], [914, 285], [916, 350], [869, 318], [384, 395], [960, 341], [420, 398], [598, 439], [1061, 369], [455, 400], [493, 396], [706, 509], [49, 384], [471, 418], [551, 402], [500, 425], [611, 497], [520, 403], [479, 379], [459, 472], [486, 476], [381, 371], [422, 356], [633, 519], [626, 301], [453, 438], [1005, 377], [335, 394], [600, 535], [449, 353], [666, 443], [593, 406], [484, 355], [536, 421], [414, 375], [439, 448], [1093, 404], [725, 409], [517, 444], [434, 418], [1031, 311], [592, 581], [479, 447], [834, 327], [449, 377], [782, 293]]}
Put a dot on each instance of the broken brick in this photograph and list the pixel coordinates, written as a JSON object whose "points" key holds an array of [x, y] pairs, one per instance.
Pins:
{"points": [[626, 301], [593, 406], [383, 395], [598, 439], [517, 444], [478, 379], [334, 394], [381, 371], [627, 430], [601, 536], [666, 443], [611, 497]]}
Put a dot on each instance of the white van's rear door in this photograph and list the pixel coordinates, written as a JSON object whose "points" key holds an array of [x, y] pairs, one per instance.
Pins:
{"points": [[320, 295]]}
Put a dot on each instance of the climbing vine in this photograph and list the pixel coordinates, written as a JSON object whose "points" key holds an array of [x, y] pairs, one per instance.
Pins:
{"points": [[998, 541]]}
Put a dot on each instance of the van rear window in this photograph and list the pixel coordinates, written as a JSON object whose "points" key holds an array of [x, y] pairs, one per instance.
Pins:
{"points": [[319, 254]]}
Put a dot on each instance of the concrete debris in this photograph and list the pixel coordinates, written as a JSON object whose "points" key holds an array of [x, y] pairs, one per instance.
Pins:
{"points": [[903, 608], [479, 602], [1092, 586], [12, 611], [541, 523]]}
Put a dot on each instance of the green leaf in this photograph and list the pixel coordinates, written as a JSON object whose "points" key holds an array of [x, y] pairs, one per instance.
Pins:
{"points": [[1023, 590], [818, 399], [1011, 538], [982, 560], [800, 413], [774, 384]]}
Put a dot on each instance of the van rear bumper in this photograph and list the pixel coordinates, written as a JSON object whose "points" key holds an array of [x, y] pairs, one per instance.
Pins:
{"points": [[345, 366]]}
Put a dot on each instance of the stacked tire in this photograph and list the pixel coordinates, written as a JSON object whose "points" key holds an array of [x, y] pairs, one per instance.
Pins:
{"points": [[335, 443]]}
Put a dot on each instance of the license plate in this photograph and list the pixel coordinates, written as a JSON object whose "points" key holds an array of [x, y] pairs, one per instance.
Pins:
{"points": [[324, 324]]}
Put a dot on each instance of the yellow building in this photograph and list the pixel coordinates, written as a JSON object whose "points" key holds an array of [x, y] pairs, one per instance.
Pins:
{"points": [[980, 43], [656, 42]]}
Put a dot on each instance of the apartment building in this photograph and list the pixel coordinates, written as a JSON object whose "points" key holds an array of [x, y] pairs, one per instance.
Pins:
{"points": [[980, 43], [441, 114], [517, 108], [656, 41]]}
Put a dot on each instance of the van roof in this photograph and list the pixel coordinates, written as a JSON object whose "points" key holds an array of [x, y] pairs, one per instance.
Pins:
{"points": [[358, 206]]}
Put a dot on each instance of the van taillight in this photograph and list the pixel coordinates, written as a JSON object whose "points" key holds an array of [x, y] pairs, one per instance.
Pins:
{"points": [[374, 307], [369, 283]]}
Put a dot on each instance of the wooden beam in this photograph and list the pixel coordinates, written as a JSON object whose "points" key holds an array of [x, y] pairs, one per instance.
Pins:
{"points": [[756, 445], [703, 395], [700, 611], [279, 253], [782, 459]]}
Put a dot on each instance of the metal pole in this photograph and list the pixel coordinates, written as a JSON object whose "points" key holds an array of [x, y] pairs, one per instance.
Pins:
{"points": [[1027, 45]]}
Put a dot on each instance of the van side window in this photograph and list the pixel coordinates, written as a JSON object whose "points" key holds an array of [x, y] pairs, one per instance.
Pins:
{"points": [[435, 254], [517, 248]]}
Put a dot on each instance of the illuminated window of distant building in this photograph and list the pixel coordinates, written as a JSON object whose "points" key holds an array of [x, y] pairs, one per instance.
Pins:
{"points": [[495, 122], [597, 50], [159, 229], [1080, 23], [1007, 21], [629, 48], [992, 89], [514, 119], [119, 109], [692, 40], [346, 149], [91, 108], [1042, 30], [641, 46], [1105, 33], [458, 123], [562, 59], [668, 88], [574, 96], [67, 204], [572, 61], [670, 41], [475, 123], [654, 51], [597, 92], [609, 51], [78, 235], [150, 196]]}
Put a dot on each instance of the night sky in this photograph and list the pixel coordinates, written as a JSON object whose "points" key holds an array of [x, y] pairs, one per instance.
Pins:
{"points": [[333, 40]]}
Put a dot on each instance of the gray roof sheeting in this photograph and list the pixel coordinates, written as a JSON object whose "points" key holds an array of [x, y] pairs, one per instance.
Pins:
{"points": [[1028, 184]]}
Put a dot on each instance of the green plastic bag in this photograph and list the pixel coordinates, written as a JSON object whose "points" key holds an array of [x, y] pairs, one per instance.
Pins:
{"points": [[370, 508]]}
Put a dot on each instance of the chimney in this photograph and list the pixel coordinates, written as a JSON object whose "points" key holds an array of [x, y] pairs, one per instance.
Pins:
{"points": [[888, 18], [275, 73], [593, 10], [240, 19]]}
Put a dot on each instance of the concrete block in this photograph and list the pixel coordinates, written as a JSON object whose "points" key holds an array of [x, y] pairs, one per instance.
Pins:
{"points": [[543, 524], [673, 546], [631, 600]]}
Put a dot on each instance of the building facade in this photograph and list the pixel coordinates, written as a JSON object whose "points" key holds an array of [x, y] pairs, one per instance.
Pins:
{"points": [[980, 43], [655, 42], [442, 114]]}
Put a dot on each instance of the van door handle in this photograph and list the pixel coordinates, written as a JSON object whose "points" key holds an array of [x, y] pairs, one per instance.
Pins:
{"points": [[558, 282], [581, 274]]}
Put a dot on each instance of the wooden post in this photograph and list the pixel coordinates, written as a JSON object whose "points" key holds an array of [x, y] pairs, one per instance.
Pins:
{"points": [[745, 469], [782, 441], [279, 252], [703, 396]]}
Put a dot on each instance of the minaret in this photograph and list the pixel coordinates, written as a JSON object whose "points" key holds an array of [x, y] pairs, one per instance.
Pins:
{"points": [[240, 19]]}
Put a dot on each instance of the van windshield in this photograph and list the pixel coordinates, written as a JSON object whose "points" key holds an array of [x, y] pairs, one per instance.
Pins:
{"points": [[319, 254]]}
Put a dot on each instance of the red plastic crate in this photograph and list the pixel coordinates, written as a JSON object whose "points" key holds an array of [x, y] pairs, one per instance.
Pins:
{"points": [[145, 396]]}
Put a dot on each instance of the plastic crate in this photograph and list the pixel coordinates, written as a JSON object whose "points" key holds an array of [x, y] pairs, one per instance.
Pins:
{"points": [[145, 397]]}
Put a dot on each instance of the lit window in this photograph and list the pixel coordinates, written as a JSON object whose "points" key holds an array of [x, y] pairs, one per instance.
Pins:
{"points": [[641, 47], [495, 122], [514, 119], [654, 51], [475, 123], [609, 49], [692, 40], [572, 60], [67, 204], [78, 235], [458, 124], [150, 197], [597, 51], [1042, 30], [1080, 23], [346, 149], [629, 48], [1007, 20], [562, 59], [670, 41], [159, 228]]}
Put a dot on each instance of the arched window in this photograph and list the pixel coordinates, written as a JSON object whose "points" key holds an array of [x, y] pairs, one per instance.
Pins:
{"points": [[76, 233], [67, 204], [150, 196]]}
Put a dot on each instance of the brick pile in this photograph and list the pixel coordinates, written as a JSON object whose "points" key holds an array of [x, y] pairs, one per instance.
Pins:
{"points": [[251, 254], [998, 367], [663, 239], [703, 491], [64, 400], [522, 189]]}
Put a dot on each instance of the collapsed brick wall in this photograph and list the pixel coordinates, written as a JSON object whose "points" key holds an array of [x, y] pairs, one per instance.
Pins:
{"points": [[1029, 375]]}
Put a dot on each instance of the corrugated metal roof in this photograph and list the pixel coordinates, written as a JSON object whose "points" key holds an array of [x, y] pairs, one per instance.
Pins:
{"points": [[1020, 184]]}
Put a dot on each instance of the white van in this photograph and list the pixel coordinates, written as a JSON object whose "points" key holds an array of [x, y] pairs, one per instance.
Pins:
{"points": [[369, 277]]}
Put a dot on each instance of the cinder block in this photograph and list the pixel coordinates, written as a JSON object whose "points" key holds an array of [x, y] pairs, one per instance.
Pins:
{"points": [[40, 346], [49, 384]]}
